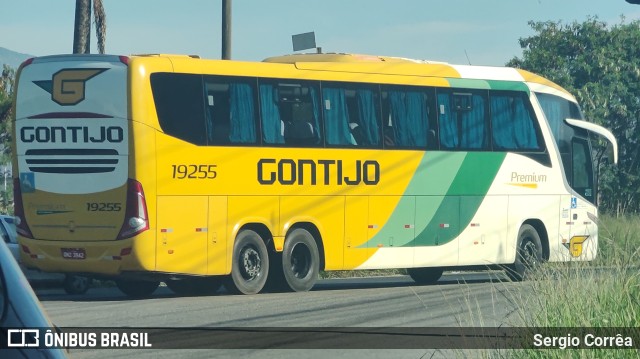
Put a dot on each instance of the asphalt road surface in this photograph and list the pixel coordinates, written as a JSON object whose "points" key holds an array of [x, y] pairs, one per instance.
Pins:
{"points": [[457, 300]]}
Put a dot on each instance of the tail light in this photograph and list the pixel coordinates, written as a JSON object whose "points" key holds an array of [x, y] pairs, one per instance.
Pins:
{"points": [[21, 221], [136, 219]]}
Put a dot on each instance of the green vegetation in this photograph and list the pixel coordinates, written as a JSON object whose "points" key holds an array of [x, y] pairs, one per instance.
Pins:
{"points": [[7, 84], [603, 293], [598, 63]]}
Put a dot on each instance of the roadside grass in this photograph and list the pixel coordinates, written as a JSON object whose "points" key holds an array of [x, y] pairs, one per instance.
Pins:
{"points": [[602, 293]]}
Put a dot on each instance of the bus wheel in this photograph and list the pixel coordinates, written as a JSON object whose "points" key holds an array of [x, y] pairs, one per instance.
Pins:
{"points": [[137, 288], [529, 255], [250, 266], [425, 275], [195, 286], [300, 260], [75, 284]]}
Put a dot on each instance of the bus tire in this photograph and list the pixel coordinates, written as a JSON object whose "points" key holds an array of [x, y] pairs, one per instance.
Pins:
{"points": [[300, 260], [75, 284], [194, 286], [528, 255], [425, 275], [137, 288], [250, 264]]}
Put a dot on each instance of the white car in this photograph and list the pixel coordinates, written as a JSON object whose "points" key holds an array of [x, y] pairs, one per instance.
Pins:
{"points": [[72, 284]]}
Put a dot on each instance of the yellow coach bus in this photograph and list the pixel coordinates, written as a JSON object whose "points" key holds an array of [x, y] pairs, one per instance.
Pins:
{"points": [[259, 175]]}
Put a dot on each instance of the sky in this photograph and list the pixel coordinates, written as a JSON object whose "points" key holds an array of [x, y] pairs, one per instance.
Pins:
{"points": [[480, 32]]}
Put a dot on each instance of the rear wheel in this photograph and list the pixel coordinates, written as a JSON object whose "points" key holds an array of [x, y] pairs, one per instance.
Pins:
{"points": [[529, 255], [425, 275], [300, 260], [195, 286], [250, 266], [75, 284], [137, 288]]}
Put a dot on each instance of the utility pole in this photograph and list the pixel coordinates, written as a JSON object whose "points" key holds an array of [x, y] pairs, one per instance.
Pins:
{"points": [[226, 29], [82, 27]]}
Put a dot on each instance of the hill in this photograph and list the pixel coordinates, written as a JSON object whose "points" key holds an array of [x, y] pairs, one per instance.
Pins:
{"points": [[12, 58]]}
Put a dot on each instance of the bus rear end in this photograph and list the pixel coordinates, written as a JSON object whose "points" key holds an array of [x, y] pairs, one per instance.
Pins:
{"points": [[76, 208]]}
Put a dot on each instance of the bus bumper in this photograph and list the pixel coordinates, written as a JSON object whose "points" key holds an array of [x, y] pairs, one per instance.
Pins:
{"points": [[101, 258]]}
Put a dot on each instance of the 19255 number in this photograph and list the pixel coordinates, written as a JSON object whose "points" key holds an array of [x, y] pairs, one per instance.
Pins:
{"points": [[194, 171], [103, 207]]}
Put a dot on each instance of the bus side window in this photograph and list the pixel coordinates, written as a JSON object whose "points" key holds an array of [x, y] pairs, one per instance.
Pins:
{"points": [[512, 122], [298, 109], [231, 116], [179, 102], [463, 121], [351, 115], [406, 117]]}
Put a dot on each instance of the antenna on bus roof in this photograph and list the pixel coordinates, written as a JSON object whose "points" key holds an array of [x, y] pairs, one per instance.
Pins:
{"points": [[305, 41], [467, 55]]}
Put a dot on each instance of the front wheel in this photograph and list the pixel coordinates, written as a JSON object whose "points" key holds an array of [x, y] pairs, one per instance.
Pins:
{"points": [[250, 266], [529, 255], [137, 288], [300, 260]]}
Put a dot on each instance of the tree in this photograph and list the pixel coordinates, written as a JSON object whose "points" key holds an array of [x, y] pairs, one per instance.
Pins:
{"points": [[599, 64], [82, 27], [7, 82]]}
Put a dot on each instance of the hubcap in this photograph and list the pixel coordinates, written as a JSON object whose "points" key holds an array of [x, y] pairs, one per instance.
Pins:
{"points": [[529, 256], [251, 262]]}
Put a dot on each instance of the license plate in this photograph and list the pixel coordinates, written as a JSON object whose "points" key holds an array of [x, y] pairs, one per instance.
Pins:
{"points": [[74, 253]]}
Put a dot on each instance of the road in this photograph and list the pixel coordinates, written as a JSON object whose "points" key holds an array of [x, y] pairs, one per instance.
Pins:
{"points": [[457, 300]]}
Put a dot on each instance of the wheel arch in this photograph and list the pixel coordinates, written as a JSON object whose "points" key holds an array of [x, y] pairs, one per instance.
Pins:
{"points": [[261, 229]]}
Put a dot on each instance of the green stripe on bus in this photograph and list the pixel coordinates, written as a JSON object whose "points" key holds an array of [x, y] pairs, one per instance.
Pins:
{"points": [[462, 201], [469, 84], [508, 86], [440, 200]]}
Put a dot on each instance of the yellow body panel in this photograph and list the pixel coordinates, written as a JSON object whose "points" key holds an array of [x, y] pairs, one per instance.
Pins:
{"points": [[356, 230], [182, 234], [218, 259]]}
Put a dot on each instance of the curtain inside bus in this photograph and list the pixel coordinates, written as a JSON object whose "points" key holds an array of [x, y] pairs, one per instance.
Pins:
{"points": [[512, 124], [448, 122], [367, 117], [473, 125], [336, 117], [271, 122], [242, 114], [409, 115]]}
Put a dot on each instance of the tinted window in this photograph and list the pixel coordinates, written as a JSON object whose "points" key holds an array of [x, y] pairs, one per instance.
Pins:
{"points": [[556, 110], [582, 170], [462, 118], [512, 122], [180, 106], [351, 115], [290, 113], [230, 111], [405, 117]]}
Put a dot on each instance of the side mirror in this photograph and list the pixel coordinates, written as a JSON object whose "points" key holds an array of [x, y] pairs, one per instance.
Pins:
{"points": [[611, 156], [592, 127]]}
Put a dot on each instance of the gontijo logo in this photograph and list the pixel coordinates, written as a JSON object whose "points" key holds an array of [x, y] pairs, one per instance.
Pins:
{"points": [[67, 86]]}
